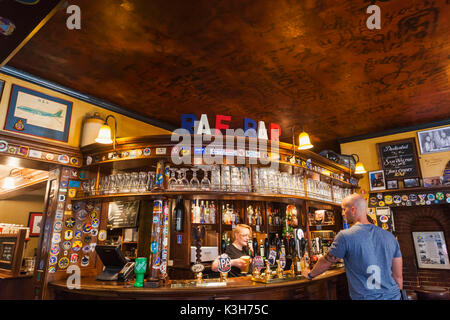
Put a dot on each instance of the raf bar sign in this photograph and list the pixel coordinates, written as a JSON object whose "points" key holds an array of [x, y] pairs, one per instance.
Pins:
{"points": [[251, 128]]}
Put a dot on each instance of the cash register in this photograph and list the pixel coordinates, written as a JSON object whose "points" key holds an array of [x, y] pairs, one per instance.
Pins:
{"points": [[117, 267]]}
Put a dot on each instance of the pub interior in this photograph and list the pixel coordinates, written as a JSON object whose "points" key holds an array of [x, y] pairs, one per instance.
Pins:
{"points": [[137, 135]]}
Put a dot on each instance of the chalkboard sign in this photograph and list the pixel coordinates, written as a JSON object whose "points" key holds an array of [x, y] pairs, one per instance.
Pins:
{"points": [[399, 159], [123, 214], [11, 251], [7, 246]]}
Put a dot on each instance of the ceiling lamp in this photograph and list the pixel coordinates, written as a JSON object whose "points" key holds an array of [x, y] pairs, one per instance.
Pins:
{"points": [[359, 167], [104, 134], [303, 141]]}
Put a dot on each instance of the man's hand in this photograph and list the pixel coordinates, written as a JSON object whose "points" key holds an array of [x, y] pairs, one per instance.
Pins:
{"points": [[240, 263]]}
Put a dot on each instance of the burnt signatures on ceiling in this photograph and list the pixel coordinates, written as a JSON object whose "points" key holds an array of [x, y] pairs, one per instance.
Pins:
{"points": [[296, 63]]}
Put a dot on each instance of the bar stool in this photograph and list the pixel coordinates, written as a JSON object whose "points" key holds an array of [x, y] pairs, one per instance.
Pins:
{"points": [[432, 293]]}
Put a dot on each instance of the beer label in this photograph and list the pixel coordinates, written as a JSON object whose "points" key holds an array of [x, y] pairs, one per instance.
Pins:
{"points": [[224, 263], [299, 266]]}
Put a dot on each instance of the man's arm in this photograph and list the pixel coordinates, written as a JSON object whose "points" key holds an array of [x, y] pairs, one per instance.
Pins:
{"points": [[397, 272], [321, 266]]}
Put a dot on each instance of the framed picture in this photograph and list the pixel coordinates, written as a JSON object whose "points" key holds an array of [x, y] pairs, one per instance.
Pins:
{"points": [[34, 223], [430, 182], [391, 184], [376, 179], [37, 114], [431, 250], [435, 140], [411, 183]]}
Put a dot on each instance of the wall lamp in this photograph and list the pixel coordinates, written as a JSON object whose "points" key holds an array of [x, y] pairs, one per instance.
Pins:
{"points": [[359, 167], [303, 141], [104, 134]]}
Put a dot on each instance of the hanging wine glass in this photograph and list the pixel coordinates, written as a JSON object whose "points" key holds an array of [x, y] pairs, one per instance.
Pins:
{"points": [[206, 184], [184, 180], [172, 181], [195, 184]]}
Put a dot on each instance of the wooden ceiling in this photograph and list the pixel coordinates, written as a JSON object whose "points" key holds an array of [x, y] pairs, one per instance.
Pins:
{"points": [[311, 63]]}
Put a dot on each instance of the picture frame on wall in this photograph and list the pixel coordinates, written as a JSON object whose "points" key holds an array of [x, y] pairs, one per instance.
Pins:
{"points": [[391, 184], [37, 114], [431, 250], [34, 223], [434, 140], [411, 183], [376, 180]]}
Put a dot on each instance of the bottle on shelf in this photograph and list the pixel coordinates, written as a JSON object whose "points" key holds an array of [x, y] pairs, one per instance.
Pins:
{"points": [[207, 213], [255, 247], [202, 212], [249, 215], [223, 244], [212, 213], [179, 215], [193, 213], [270, 221], [233, 217], [261, 248]]}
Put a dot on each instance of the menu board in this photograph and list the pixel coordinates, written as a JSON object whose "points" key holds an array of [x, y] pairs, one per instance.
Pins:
{"points": [[7, 246], [123, 214], [399, 159]]}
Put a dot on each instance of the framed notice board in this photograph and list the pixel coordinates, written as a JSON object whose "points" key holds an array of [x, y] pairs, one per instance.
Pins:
{"points": [[399, 159], [11, 251]]}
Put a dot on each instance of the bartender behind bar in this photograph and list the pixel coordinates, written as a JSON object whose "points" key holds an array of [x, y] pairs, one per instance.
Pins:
{"points": [[238, 251]]}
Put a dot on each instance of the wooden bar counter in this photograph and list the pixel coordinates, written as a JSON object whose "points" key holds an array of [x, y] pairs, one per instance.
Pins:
{"points": [[330, 285]]}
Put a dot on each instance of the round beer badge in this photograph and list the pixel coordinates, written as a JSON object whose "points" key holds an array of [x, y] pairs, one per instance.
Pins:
{"points": [[430, 197], [94, 232], [384, 219], [70, 222], [89, 206], [397, 199], [440, 196], [56, 238], [413, 197], [85, 261], [52, 260], [54, 249], [3, 145], [93, 214], [147, 151], [381, 203], [68, 235], [74, 258], [87, 249], [77, 245], [51, 270], [87, 227], [102, 235], [78, 234], [448, 200], [63, 262], [373, 201], [379, 196], [388, 199], [385, 226], [95, 223], [67, 245], [404, 198], [57, 226]]}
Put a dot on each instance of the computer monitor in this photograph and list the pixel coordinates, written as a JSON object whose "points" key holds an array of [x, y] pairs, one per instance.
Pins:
{"points": [[113, 260]]}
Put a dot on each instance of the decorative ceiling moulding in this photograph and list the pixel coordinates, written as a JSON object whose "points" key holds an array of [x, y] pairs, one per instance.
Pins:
{"points": [[395, 131], [83, 97]]}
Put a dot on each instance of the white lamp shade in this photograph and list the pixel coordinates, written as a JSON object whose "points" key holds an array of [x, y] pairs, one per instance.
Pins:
{"points": [[104, 135], [359, 168], [304, 142]]}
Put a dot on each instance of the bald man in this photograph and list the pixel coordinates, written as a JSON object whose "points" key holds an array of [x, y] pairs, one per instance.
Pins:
{"points": [[372, 257]]}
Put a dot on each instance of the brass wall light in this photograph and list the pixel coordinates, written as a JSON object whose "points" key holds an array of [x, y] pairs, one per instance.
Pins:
{"points": [[104, 133]]}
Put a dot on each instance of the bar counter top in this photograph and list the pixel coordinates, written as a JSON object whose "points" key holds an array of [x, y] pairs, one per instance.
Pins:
{"points": [[321, 287]]}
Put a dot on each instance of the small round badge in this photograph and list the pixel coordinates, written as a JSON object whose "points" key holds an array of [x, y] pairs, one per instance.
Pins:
{"points": [[3, 145], [54, 249], [95, 223], [52, 260], [102, 235], [87, 249], [85, 261], [94, 232], [67, 245], [63, 262], [74, 258], [78, 234], [51, 269], [70, 222], [57, 226], [68, 235], [87, 227], [77, 245]]}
